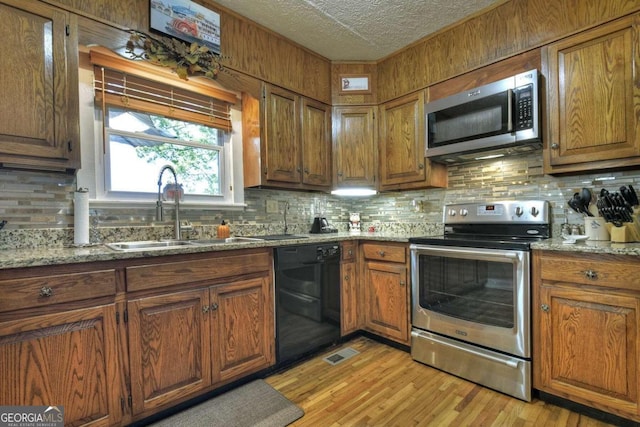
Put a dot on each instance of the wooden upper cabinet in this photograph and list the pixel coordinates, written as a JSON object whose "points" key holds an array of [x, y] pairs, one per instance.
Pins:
{"points": [[594, 99], [286, 141], [354, 146], [401, 145], [39, 86], [316, 143], [281, 120]]}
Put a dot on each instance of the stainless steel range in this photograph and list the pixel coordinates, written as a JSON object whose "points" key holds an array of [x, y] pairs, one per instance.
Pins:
{"points": [[471, 293]]}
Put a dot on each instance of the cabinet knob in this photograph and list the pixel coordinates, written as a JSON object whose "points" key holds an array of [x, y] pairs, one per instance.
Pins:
{"points": [[590, 274], [350, 251], [205, 309], [555, 145], [46, 292], [381, 253], [402, 283], [421, 166], [214, 306], [339, 173], [544, 307], [306, 170], [346, 278]]}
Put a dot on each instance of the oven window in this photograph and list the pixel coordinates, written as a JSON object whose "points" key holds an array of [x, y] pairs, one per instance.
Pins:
{"points": [[473, 290]]}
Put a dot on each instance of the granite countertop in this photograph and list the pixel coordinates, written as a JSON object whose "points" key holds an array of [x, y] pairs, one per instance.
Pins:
{"points": [[17, 258], [587, 246]]}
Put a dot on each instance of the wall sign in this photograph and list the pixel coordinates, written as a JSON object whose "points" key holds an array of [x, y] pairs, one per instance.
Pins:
{"points": [[354, 83], [187, 21]]}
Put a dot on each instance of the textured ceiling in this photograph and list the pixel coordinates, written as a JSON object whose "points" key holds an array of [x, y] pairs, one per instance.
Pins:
{"points": [[354, 30]]}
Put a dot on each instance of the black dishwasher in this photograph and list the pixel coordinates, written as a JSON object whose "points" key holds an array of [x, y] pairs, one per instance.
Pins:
{"points": [[307, 299]]}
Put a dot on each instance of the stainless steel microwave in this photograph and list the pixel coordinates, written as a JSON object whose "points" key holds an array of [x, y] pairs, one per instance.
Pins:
{"points": [[489, 121]]}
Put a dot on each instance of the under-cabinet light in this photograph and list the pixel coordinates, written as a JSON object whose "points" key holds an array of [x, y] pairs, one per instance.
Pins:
{"points": [[354, 191], [490, 156]]}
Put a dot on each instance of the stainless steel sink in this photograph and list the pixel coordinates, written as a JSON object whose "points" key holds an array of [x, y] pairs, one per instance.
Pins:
{"points": [[204, 242], [147, 245], [151, 245]]}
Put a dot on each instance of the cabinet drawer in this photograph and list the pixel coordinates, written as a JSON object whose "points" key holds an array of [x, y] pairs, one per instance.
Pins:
{"points": [[599, 270], [381, 252], [348, 251], [38, 291], [182, 272]]}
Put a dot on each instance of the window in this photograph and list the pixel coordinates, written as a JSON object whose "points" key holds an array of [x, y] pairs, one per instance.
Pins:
{"points": [[143, 122], [140, 143]]}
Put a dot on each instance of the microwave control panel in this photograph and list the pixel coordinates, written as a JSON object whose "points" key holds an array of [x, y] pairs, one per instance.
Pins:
{"points": [[524, 107]]}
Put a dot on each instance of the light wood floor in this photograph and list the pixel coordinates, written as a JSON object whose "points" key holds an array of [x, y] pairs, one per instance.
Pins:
{"points": [[383, 386]]}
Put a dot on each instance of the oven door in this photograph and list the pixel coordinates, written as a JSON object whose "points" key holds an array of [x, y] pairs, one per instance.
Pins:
{"points": [[480, 296]]}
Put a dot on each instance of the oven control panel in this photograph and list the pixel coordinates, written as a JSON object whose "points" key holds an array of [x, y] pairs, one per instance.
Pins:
{"points": [[517, 212]]}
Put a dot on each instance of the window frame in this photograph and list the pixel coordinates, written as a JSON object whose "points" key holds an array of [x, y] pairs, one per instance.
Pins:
{"points": [[92, 175]]}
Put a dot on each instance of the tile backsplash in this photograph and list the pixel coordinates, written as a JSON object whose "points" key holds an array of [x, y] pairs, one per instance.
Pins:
{"points": [[39, 205]]}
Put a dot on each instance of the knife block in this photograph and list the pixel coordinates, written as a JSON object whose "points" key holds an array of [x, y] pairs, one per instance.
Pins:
{"points": [[629, 232]]}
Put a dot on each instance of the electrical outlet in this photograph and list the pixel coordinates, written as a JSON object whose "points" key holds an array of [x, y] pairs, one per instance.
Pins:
{"points": [[272, 206]]}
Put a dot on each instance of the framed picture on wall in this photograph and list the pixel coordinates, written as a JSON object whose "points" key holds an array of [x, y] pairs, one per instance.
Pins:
{"points": [[354, 83], [187, 21]]}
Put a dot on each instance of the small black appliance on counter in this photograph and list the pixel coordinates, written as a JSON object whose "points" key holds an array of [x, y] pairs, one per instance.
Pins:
{"points": [[321, 225]]}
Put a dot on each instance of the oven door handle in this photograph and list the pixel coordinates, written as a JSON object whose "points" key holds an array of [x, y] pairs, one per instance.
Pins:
{"points": [[505, 360], [484, 255]]}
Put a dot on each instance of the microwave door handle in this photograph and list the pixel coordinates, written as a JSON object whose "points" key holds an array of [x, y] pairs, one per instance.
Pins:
{"points": [[510, 107]]}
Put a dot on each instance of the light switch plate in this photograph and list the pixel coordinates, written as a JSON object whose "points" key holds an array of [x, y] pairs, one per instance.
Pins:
{"points": [[272, 206]]}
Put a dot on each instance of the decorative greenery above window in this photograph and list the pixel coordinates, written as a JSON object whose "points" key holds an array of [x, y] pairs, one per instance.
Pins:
{"points": [[184, 59]]}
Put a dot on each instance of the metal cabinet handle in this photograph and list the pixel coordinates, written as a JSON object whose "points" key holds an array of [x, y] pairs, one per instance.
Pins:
{"points": [[421, 166], [402, 283], [381, 253], [205, 309], [544, 307], [590, 274], [214, 306], [46, 292], [350, 251], [555, 145], [346, 278]]}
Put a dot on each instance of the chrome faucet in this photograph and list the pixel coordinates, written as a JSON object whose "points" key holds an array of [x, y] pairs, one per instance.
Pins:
{"points": [[176, 198]]}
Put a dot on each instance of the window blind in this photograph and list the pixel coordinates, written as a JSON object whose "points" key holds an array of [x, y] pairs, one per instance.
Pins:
{"points": [[117, 82]]}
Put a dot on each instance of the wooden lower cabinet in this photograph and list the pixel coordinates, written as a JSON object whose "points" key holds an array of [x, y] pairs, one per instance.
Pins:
{"points": [[586, 330], [183, 343], [348, 298], [242, 328], [69, 359], [169, 342], [386, 291]]}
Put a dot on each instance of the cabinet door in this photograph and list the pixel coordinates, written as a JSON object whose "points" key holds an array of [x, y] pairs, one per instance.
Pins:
{"points": [[316, 143], [588, 348], [65, 359], [349, 298], [354, 146], [243, 328], [387, 300], [281, 161], [402, 139], [594, 98], [39, 85], [169, 347]]}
